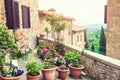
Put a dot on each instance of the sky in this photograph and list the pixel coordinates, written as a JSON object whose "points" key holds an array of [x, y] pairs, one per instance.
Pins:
{"points": [[85, 12]]}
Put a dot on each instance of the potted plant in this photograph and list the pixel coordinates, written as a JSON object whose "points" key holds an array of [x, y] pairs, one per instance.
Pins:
{"points": [[62, 71], [33, 69], [9, 71], [48, 72], [74, 58], [8, 51]]}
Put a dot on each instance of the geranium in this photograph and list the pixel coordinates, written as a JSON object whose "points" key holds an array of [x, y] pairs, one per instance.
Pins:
{"points": [[44, 50]]}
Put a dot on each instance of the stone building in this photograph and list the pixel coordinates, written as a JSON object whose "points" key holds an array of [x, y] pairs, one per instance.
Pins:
{"points": [[113, 28], [21, 17], [69, 34], [78, 34]]}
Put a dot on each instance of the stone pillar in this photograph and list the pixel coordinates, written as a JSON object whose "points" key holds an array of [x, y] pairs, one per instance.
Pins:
{"points": [[113, 29]]}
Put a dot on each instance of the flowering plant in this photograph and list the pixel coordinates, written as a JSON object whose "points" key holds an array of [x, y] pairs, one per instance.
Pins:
{"points": [[8, 69], [44, 50]]}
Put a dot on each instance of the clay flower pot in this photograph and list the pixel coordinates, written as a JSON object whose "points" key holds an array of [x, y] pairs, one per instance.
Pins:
{"points": [[42, 35], [48, 74], [75, 71], [62, 72], [11, 78], [33, 77]]}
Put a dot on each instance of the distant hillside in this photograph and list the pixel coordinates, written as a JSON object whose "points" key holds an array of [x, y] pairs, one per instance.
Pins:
{"points": [[93, 35], [94, 27]]}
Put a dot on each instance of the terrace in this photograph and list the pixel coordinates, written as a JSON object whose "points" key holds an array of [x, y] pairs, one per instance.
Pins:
{"points": [[97, 67]]}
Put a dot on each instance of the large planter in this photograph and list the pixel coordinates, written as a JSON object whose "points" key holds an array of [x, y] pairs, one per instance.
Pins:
{"points": [[11, 78], [48, 74], [62, 73], [33, 77], [75, 71]]}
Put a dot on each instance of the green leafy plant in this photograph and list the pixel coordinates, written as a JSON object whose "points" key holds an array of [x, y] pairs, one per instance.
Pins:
{"points": [[33, 68], [7, 41], [73, 57]]}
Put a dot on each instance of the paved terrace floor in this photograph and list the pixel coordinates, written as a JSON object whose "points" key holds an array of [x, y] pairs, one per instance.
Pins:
{"points": [[22, 62]]}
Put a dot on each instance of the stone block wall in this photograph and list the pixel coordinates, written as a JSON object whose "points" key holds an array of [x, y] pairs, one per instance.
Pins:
{"points": [[113, 29]]}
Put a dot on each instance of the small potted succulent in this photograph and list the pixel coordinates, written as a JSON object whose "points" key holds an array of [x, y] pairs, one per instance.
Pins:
{"points": [[33, 69], [74, 58]]}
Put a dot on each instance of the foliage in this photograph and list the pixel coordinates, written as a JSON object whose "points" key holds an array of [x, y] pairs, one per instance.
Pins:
{"points": [[60, 48], [48, 64], [92, 48], [57, 24], [8, 70], [7, 41], [33, 68], [60, 61], [102, 46], [73, 57], [93, 36], [47, 31]]}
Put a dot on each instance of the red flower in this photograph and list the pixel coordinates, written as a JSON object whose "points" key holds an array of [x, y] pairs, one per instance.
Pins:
{"points": [[45, 50]]}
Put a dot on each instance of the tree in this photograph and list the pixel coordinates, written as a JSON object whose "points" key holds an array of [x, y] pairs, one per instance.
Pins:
{"points": [[59, 26], [52, 20], [92, 48], [47, 32], [102, 44], [86, 42]]}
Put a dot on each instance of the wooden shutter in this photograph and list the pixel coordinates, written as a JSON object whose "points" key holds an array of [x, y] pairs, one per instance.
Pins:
{"points": [[105, 14], [16, 15], [25, 16], [9, 13], [12, 14]]}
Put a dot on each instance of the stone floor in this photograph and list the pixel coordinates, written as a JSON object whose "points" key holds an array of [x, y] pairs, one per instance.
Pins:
{"points": [[22, 62]]}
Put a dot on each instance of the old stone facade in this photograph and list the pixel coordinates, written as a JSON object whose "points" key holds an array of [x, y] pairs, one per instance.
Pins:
{"points": [[113, 28], [78, 34], [69, 37], [29, 33]]}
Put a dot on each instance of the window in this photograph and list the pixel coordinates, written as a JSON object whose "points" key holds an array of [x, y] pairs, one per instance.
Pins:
{"points": [[12, 14], [25, 16], [77, 37], [80, 37], [69, 29]]}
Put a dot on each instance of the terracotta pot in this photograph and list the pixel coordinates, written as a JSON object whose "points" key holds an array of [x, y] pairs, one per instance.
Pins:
{"points": [[62, 73], [48, 74], [33, 77], [11, 78], [42, 35], [75, 71]]}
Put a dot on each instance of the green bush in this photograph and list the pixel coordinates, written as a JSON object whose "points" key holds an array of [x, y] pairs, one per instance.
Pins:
{"points": [[33, 68], [7, 41], [73, 58]]}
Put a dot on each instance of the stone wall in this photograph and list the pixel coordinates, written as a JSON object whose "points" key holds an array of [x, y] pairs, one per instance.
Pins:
{"points": [[35, 29], [2, 11], [113, 29], [98, 66]]}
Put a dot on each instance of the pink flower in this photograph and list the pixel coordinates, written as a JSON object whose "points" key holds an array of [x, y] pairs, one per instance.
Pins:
{"points": [[45, 50]]}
